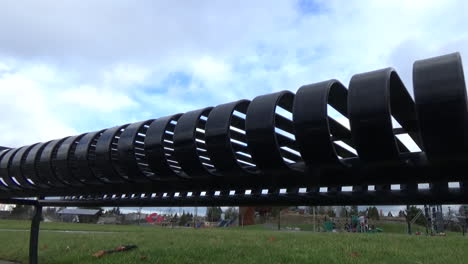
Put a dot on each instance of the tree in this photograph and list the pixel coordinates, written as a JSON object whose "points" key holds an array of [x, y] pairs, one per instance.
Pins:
{"points": [[463, 210], [321, 210], [214, 214], [114, 211], [139, 215], [189, 218], [184, 219], [331, 212], [412, 212], [344, 212], [353, 210], [231, 213], [364, 212], [276, 212], [373, 213], [50, 212], [390, 214], [22, 211], [401, 213]]}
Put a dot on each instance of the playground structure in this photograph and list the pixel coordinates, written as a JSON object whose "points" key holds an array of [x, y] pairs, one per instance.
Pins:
{"points": [[278, 149], [434, 217]]}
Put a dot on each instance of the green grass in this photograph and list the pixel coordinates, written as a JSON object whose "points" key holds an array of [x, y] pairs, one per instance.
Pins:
{"points": [[228, 245], [24, 224], [393, 228], [401, 228]]}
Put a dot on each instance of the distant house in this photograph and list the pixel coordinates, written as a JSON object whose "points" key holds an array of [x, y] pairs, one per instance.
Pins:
{"points": [[133, 218], [6, 207], [79, 215], [110, 220], [4, 214]]}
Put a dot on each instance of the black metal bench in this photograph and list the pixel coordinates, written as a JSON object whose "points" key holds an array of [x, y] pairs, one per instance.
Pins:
{"points": [[278, 149]]}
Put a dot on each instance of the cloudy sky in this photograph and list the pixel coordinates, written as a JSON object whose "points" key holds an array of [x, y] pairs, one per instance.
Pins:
{"points": [[68, 67]]}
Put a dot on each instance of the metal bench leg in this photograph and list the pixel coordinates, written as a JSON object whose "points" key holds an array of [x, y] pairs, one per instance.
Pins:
{"points": [[34, 235]]}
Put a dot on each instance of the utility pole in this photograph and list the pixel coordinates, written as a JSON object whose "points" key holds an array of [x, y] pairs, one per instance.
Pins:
{"points": [[242, 218], [279, 219], [313, 214], [408, 221], [426, 216], [195, 217], [139, 215]]}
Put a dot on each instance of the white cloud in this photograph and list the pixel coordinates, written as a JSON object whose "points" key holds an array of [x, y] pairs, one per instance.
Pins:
{"points": [[208, 70], [94, 64], [124, 75], [103, 31], [104, 100], [26, 117]]}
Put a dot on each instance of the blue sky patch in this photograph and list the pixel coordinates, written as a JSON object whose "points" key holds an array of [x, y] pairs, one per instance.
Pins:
{"points": [[308, 7]]}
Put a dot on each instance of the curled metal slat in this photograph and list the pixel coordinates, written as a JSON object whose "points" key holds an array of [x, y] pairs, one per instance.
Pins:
{"points": [[223, 130], [130, 142], [5, 170], [158, 147], [270, 149], [44, 164], [84, 159], [315, 130], [188, 145], [63, 161], [280, 142], [29, 166], [7, 181], [107, 167], [15, 168], [441, 104], [374, 97]]}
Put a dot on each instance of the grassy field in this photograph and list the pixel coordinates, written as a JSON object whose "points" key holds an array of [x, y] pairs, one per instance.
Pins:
{"points": [[387, 227], [254, 244]]}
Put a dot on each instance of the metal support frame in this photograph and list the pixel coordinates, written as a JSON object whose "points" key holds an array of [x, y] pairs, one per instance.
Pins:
{"points": [[282, 140], [34, 234], [279, 141], [408, 221], [35, 224]]}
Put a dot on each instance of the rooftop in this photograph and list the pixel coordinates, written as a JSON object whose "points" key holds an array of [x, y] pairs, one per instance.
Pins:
{"points": [[78, 211]]}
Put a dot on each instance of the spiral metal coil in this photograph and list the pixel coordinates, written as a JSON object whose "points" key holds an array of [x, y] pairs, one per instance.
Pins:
{"points": [[279, 148]]}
